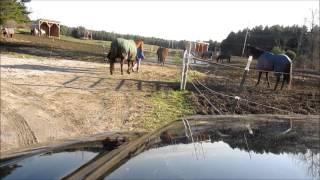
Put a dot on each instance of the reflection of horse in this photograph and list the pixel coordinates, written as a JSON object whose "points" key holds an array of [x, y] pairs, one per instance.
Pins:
{"points": [[280, 64], [162, 55], [124, 50], [221, 57], [166, 137]]}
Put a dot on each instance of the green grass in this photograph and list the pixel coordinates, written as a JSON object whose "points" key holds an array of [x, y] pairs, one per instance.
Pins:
{"points": [[193, 74], [93, 42], [23, 30], [167, 106]]}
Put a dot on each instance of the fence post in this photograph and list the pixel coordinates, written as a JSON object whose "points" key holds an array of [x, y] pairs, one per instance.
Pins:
{"points": [[185, 67], [244, 76]]}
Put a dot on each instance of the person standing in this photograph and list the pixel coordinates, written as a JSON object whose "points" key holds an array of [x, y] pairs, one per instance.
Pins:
{"points": [[140, 56]]}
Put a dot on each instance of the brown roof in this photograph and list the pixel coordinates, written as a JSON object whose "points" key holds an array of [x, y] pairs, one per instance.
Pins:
{"points": [[49, 21]]}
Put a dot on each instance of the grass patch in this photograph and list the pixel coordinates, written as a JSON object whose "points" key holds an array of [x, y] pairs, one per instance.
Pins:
{"points": [[88, 41], [193, 74], [167, 106]]}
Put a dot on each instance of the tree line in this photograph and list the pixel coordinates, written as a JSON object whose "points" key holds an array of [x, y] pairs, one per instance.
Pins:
{"points": [[79, 32], [295, 38], [300, 41]]}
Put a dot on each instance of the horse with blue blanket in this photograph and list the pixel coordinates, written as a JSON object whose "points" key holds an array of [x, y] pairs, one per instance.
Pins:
{"points": [[279, 64], [123, 49]]}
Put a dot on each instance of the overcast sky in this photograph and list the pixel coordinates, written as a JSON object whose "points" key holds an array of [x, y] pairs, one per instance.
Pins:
{"points": [[179, 20]]}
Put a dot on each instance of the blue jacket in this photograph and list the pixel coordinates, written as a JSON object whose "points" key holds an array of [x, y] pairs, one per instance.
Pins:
{"points": [[140, 54]]}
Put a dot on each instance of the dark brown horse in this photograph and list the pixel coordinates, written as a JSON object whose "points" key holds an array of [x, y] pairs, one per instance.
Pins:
{"points": [[221, 57], [162, 55]]}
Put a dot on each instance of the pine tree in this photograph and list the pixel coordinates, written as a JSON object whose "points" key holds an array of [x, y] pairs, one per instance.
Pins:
{"points": [[13, 10]]}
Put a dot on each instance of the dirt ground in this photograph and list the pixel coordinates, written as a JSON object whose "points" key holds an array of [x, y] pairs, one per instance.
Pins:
{"points": [[47, 99]]}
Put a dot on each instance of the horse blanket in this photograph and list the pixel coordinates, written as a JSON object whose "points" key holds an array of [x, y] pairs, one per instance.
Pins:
{"points": [[122, 47], [271, 62]]}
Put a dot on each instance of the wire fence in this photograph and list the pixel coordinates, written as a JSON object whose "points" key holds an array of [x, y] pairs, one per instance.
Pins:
{"points": [[221, 88], [234, 97], [235, 71]]}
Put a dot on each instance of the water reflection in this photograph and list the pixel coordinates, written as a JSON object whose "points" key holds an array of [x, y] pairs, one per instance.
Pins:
{"points": [[218, 160], [56, 163], [229, 149]]}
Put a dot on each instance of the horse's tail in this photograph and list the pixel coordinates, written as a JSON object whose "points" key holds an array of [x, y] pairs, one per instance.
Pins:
{"points": [[113, 50], [290, 76]]}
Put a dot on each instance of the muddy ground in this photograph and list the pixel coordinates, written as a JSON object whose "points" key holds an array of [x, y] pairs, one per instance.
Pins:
{"points": [[302, 98], [48, 99]]}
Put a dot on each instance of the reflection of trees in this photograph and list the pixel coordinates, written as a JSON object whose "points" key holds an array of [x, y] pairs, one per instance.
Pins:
{"points": [[265, 137], [311, 160]]}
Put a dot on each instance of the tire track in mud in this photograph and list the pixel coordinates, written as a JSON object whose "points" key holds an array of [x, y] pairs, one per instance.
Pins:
{"points": [[25, 134]]}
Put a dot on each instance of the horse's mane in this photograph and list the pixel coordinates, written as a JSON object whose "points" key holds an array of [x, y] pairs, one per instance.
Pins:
{"points": [[255, 50]]}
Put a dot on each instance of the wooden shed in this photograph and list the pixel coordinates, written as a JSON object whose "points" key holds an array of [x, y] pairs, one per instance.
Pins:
{"points": [[201, 47], [51, 27]]}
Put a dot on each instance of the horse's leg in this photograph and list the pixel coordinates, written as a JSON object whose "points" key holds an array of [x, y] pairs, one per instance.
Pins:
{"points": [[267, 77], [129, 63], [284, 78], [278, 79], [111, 66], [260, 73], [121, 65], [132, 64]]}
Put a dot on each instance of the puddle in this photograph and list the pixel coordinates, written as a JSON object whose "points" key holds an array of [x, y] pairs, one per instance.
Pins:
{"points": [[226, 147], [283, 149], [56, 163], [218, 160]]}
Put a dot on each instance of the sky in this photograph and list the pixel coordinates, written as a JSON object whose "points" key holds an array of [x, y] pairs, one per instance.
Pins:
{"points": [[177, 20]]}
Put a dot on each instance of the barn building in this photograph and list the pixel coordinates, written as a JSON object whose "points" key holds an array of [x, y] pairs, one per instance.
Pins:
{"points": [[51, 27], [201, 47], [198, 47]]}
